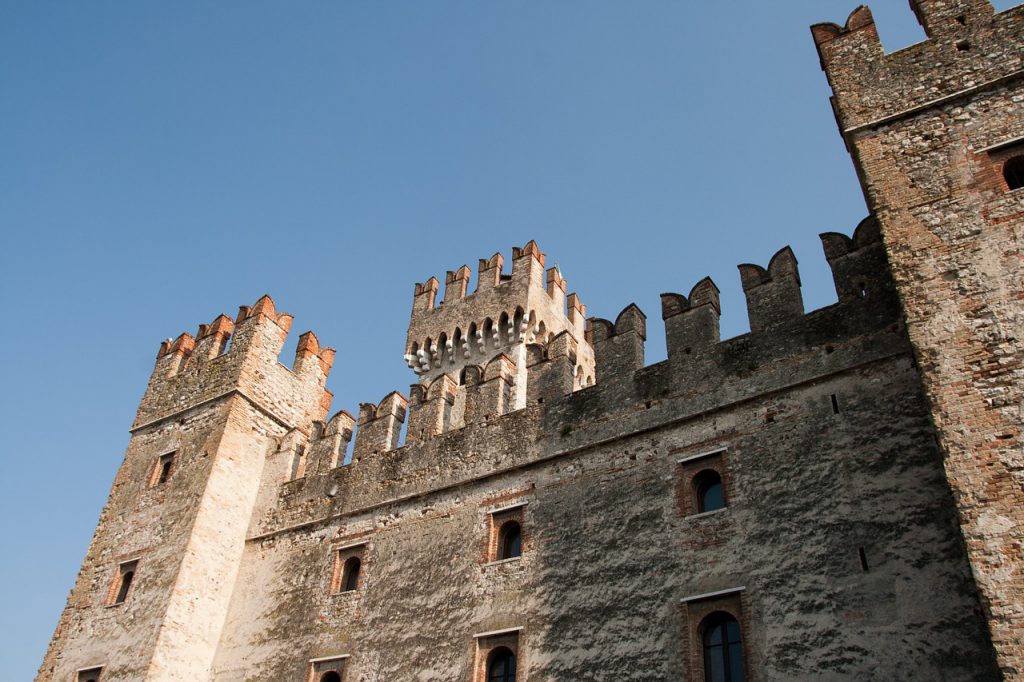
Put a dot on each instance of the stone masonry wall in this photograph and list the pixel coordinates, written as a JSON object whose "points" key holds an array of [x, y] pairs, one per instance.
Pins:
{"points": [[924, 125]]}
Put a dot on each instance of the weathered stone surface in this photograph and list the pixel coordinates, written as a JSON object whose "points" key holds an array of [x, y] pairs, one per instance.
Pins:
{"points": [[858, 447]]}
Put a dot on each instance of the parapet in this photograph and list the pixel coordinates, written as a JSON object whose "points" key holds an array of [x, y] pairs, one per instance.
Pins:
{"points": [[228, 356], [969, 46], [466, 425]]}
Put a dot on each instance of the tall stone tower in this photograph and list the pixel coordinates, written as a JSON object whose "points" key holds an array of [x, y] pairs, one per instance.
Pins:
{"points": [[936, 131], [152, 595]]}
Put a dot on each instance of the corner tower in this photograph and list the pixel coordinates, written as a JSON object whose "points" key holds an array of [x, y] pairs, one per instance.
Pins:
{"points": [[935, 131], [152, 595]]}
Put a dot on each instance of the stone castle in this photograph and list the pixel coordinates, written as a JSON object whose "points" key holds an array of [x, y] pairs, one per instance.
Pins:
{"points": [[836, 495]]}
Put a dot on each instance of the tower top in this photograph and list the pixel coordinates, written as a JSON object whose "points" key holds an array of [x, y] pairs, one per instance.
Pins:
{"points": [[528, 306]]}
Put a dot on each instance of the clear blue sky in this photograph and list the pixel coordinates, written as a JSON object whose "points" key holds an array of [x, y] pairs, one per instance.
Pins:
{"points": [[163, 162]]}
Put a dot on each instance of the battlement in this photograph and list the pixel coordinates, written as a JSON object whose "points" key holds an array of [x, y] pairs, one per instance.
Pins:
{"points": [[241, 355], [452, 415], [969, 46], [505, 311]]}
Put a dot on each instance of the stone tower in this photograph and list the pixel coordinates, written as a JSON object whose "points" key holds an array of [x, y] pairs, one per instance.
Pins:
{"points": [[934, 130], [172, 532]]}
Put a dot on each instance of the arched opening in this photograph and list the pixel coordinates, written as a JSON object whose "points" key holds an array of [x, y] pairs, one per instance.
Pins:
{"points": [[501, 665], [486, 334], [330, 676], [1013, 172], [350, 575], [723, 648], [504, 332], [510, 541], [710, 493], [519, 327], [443, 349], [126, 584]]}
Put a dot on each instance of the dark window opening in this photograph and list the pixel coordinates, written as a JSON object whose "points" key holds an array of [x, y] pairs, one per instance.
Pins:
{"points": [[710, 492], [166, 466], [835, 404], [125, 577], [350, 576], [90, 675], [963, 46], [1013, 172], [862, 289], [863, 559], [723, 649], [502, 666], [510, 541], [330, 676]]}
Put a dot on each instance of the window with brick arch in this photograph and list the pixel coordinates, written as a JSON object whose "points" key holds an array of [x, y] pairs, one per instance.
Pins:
{"points": [[710, 492], [1013, 172], [501, 666], [330, 676], [723, 648], [510, 541]]}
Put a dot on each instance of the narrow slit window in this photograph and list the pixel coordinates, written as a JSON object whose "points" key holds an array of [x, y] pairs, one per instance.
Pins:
{"points": [[163, 470], [123, 581], [863, 559], [348, 569], [835, 404]]}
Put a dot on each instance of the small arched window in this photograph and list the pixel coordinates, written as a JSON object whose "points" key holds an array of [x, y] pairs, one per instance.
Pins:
{"points": [[350, 576], [510, 541], [1013, 172], [330, 676], [501, 666], [709, 491], [723, 648], [126, 584]]}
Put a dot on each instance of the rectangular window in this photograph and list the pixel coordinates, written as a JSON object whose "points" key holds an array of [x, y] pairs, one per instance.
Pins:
{"points": [[163, 470], [499, 655], [328, 668], [715, 632], [89, 674], [505, 533], [348, 574], [121, 586], [702, 483]]}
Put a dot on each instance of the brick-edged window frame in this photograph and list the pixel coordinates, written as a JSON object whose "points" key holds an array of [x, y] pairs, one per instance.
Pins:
{"points": [[498, 524], [123, 582], [93, 673], [321, 667], [163, 469], [998, 156], [344, 561], [486, 644], [691, 470], [697, 611]]}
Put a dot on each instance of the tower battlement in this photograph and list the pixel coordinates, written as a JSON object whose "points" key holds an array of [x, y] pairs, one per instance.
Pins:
{"points": [[969, 46], [504, 312], [240, 355]]}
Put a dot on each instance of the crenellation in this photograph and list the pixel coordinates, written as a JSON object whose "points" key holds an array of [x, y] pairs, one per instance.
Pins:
{"points": [[554, 492], [379, 426], [455, 284], [691, 322], [871, 86], [773, 294]]}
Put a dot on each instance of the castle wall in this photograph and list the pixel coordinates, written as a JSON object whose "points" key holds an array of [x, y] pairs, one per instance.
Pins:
{"points": [[608, 553], [924, 125], [611, 543]]}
